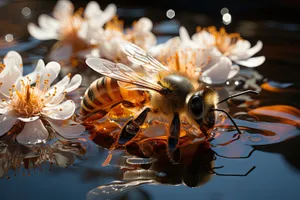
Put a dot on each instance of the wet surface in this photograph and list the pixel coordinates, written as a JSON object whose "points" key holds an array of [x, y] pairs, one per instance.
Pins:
{"points": [[270, 123]]}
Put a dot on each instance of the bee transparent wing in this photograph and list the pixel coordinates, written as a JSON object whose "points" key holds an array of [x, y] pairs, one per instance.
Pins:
{"points": [[123, 73], [138, 56], [115, 189]]}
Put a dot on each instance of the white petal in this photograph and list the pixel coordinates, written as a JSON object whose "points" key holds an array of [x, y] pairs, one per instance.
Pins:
{"points": [[69, 131], [109, 12], [92, 9], [10, 79], [57, 99], [233, 71], [63, 9], [143, 25], [252, 62], [39, 70], [41, 34], [241, 45], [48, 23], [60, 112], [3, 107], [6, 123], [218, 73], [183, 34], [242, 54], [255, 49], [60, 86], [74, 83], [32, 133], [52, 70], [13, 58], [29, 119]]}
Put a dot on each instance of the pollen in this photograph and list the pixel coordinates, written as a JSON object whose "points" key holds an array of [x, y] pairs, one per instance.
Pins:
{"points": [[223, 40], [2, 66], [28, 101], [115, 24]]}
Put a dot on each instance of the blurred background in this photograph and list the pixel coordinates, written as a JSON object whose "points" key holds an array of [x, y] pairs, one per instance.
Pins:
{"points": [[276, 23]]}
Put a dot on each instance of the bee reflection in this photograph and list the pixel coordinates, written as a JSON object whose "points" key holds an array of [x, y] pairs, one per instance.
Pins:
{"points": [[15, 156], [196, 168]]}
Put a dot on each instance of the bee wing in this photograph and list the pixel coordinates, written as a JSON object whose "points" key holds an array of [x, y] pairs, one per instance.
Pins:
{"points": [[138, 56], [114, 189], [123, 73]]}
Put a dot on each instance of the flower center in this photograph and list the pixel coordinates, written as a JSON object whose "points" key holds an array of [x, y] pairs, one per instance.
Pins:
{"points": [[29, 101], [224, 41], [71, 26], [185, 62], [115, 24]]}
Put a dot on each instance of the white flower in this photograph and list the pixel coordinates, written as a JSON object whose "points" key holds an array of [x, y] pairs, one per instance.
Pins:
{"points": [[30, 109], [195, 60], [110, 38], [71, 28], [230, 45]]}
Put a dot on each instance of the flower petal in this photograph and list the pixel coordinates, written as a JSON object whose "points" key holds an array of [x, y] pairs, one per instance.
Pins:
{"points": [[60, 112], [74, 83], [233, 71], [40, 33], [48, 23], [69, 131], [33, 133], [39, 70], [3, 107], [6, 123], [9, 79], [29, 119], [92, 9], [52, 70], [218, 73], [183, 34], [108, 13], [143, 25], [241, 45], [252, 62], [255, 49], [63, 9], [13, 58]]}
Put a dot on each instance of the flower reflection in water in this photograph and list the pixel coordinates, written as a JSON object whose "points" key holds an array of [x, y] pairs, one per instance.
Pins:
{"points": [[15, 156]]}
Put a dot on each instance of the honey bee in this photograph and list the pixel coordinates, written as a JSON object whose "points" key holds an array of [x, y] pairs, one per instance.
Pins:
{"points": [[173, 95]]}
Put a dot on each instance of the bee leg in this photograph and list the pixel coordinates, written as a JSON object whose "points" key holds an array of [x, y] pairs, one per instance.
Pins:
{"points": [[132, 127], [238, 157], [173, 140], [212, 171]]}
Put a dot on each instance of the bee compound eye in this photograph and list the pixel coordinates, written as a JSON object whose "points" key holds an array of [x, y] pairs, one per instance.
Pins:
{"points": [[196, 106]]}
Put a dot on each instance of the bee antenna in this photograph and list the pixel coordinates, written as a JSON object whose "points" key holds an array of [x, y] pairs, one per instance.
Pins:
{"points": [[238, 94], [228, 115]]}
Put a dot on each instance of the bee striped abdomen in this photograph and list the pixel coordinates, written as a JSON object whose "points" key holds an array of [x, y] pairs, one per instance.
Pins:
{"points": [[101, 94]]}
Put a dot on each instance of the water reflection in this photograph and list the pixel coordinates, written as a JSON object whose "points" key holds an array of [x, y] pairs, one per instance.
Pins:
{"points": [[195, 169], [28, 159]]}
